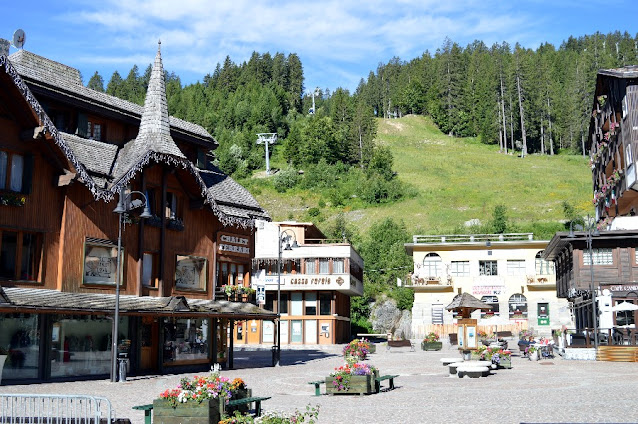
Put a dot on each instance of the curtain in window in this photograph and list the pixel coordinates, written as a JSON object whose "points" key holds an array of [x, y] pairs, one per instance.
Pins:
{"points": [[324, 266], [3, 170], [337, 265], [17, 164]]}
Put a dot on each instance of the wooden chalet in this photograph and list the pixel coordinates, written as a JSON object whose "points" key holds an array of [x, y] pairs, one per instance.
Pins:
{"points": [[68, 154], [609, 271]]}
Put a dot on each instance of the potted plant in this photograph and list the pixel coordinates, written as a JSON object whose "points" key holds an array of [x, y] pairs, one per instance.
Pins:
{"points": [[431, 342], [532, 352], [202, 399], [355, 378], [356, 350], [502, 358]]}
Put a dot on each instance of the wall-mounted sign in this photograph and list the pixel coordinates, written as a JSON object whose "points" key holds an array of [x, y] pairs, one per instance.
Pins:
{"points": [[261, 294], [488, 290], [233, 245]]}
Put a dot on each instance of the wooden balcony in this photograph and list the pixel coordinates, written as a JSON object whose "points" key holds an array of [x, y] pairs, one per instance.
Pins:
{"points": [[430, 284]]}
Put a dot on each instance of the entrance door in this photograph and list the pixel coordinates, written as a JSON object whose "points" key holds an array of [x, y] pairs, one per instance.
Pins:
{"points": [[297, 335], [311, 331], [149, 341]]}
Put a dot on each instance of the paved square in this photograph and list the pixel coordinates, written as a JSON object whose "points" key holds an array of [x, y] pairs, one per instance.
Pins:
{"points": [[551, 390]]}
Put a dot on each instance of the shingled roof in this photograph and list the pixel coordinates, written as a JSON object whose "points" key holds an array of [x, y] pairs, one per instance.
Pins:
{"points": [[47, 73], [231, 198], [27, 298]]}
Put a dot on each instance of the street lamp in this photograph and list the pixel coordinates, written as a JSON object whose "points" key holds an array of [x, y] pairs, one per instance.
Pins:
{"points": [[592, 231], [282, 238], [125, 204]]}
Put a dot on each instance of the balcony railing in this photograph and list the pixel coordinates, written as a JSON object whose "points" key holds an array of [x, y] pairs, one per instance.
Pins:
{"points": [[470, 238], [428, 281]]}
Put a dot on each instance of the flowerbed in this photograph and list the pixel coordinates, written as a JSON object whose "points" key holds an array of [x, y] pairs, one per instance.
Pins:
{"points": [[201, 388]]}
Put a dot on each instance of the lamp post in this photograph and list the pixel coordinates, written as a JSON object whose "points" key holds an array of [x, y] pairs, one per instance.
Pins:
{"points": [[282, 237], [124, 205], [592, 231]]}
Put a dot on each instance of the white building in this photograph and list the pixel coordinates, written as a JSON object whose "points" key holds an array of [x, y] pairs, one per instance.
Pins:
{"points": [[318, 277], [506, 271]]}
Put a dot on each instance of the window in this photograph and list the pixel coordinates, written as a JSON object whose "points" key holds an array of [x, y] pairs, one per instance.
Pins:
{"points": [[149, 270], [100, 262], [311, 266], [515, 267], [284, 303], [437, 313], [488, 268], [493, 302], [460, 268], [170, 209], [15, 172], [432, 265], [311, 303], [625, 317], [324, 266], [20, 254], [543, 267], [94, 130], [602, 256], [296, 300], [518, 306], [185, 339], [338, 266], [325, 300], [190, 273], [150, 200]]}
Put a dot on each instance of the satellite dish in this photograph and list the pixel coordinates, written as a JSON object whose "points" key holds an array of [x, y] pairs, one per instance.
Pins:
{"points": [[19, 37]]}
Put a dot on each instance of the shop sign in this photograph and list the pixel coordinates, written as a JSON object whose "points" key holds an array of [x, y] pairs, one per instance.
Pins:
{"points": [[488, 290], [232, 244]]}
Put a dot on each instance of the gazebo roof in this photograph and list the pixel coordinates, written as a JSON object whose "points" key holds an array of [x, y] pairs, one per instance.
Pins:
{"points": [[467, 301]]}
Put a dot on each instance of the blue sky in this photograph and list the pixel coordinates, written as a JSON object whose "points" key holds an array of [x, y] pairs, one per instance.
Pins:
{"points": [[338, 41]]}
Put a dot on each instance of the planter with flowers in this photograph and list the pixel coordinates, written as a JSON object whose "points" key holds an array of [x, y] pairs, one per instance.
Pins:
{"points": [[431, 342], [201, 400], [502, 358], [237, 292], [356, 350], [355, 378]]}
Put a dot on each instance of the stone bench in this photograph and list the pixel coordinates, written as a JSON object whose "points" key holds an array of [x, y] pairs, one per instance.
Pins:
{"points": [[453, 367], [447, 361], [472, 371]]}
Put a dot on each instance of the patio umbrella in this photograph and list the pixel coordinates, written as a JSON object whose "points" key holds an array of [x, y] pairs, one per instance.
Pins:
{"points": [[624, 306], [497, 320]]}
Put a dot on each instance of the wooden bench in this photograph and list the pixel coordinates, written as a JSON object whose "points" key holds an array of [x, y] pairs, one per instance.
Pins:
{"points": [[248, 401], [504, 334], [317, 384], [400, 343], [378, 380], [147, 412]]}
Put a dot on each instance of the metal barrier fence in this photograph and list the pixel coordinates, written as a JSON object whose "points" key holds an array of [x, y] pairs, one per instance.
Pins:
{"points": [[55, 409]]}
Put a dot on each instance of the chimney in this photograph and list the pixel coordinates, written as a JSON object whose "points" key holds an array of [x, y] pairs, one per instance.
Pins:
{"points": [[4, 47]]}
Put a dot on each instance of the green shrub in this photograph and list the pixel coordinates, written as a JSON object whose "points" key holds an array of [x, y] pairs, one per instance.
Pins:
{"points": [[404, 298], [285, 179]]}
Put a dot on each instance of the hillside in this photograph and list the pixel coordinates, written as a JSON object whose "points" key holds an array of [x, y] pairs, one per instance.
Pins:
{"points": [[456, 180]]}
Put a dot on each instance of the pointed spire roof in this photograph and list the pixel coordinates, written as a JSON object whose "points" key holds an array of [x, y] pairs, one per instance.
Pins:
{"points": [[154, 136]]}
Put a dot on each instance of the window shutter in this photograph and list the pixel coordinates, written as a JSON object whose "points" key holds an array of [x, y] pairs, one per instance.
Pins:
{"points": [[82, 125], [27, 174]]}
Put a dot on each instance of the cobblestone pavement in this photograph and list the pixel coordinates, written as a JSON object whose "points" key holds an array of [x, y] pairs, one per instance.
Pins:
{"points": [[550, 390]]}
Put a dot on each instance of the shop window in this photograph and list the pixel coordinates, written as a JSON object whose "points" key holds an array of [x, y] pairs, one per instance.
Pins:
{"points": [[20, 336], [543, 267], [324, 266], [100, 262], [625, 317], [601, 256], [270, 301], [284, 304], [488, 268], [460, 268], [325, 300], [311, 266], [493, 302], [296, 301], [338, 266], [311, 304], [15, 172], [150, 274], [515, 267], [185, 339], [518, 306], [190, 273], [20, 254], [81, 345]]}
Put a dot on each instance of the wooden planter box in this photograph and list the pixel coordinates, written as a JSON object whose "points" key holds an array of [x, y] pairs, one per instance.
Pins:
{"points": [[431, 345], [359, 385], [505, 363], [207, 412]]}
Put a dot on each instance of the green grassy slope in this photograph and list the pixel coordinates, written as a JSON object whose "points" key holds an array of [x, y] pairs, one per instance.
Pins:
{"points": [[457, 180]]}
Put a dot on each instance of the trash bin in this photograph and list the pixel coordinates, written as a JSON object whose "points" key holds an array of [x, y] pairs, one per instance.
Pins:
{"points": [[275, 355], [122, 371]]}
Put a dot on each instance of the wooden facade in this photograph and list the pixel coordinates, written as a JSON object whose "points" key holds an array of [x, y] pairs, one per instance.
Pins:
{"points": [[68, 155]]}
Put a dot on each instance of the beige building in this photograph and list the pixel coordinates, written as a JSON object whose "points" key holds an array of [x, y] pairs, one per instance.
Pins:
{"points": [[505, 271]]}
